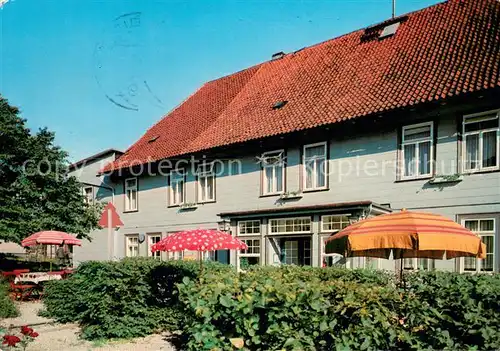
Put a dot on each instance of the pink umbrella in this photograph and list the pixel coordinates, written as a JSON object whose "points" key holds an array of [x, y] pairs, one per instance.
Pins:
{"points": [[50, 237], [199, 240]]}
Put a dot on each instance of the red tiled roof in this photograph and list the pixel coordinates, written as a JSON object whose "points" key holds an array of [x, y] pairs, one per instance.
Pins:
{"points": [[445, 50]]}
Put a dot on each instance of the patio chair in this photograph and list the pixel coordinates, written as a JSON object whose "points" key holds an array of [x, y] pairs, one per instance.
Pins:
{"points": [[19, 291]]}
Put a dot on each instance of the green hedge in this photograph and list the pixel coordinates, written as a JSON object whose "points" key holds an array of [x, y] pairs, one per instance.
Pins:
{"points": [[291, 308], [269, 308], [129, 298], [453, 311], [323, 309], [7, 307]]}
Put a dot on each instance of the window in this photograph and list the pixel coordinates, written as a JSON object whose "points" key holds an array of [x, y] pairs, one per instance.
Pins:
{"points": [[329, 260], [253, 247], [209, 255], [334, 222], [177, 183], [296, 251], [153, 239], [417, 150], [249, 228], [131, 194], [315, 166], [485, 228], [88, 193], [234, 167], [425, 264], [481, 136], [176, 255], [290, 225], [251, 256], [273, 174], [206, 183], [132, 246]]}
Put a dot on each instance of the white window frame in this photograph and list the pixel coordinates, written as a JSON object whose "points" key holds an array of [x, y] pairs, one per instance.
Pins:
{"points": [[180, 174], [293, 231], [156, 254], [323, 230], [245, 254], [323, 255], [249, 221], [134, 188], [265, 156], [480, 147], [87, 199], [431, 264], [203, 172], [240, 255], [479, 261], [128, 245], [304, 170], [417, 151], [176, 255]]}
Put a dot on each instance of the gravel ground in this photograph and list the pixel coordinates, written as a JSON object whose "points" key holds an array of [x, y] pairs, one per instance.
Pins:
{"points": [[61, 337]]}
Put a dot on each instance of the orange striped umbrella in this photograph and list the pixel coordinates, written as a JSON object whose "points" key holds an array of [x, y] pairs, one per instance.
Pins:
{"points": [[51, 237], [406, 234]]}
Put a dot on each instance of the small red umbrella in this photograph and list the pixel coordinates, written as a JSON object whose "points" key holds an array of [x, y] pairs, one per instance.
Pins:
{"points": [[51, 237], [199, 240]]}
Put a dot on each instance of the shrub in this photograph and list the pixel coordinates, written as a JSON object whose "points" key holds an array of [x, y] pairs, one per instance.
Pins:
{"points": [[285, 308], [7, 307], [322, 309], [454, 311], [129, 298], [291, 308]]}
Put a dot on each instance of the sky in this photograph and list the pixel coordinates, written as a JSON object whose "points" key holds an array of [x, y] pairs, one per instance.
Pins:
{"points": [[100, 73]]}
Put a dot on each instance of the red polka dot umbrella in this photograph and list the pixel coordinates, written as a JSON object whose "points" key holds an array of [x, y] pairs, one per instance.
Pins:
{"points": [[199, 240]]}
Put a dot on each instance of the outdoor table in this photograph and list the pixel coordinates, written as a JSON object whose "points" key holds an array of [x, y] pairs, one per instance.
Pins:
{"points": [[37, 277]]}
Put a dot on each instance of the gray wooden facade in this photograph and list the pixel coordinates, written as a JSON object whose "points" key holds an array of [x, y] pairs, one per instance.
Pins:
{"points": [[363, 180]]}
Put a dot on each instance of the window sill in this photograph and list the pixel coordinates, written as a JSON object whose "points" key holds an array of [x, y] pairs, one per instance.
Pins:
{"points": [[187, 207], [291, 197], [206, 202], [291, 234], [481, 171], [413, 179], [130, 211], [446, 179], [314, 190], [173, 206], [270, 195]]}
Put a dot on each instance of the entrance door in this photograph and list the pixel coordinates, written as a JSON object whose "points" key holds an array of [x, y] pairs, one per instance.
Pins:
{"points": [[296, 251]]}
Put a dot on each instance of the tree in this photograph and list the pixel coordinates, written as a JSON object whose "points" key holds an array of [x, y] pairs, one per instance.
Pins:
{"points": [[36, 192]]}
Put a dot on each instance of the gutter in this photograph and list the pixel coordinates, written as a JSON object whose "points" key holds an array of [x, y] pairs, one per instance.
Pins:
{"points": [[104, 187]]}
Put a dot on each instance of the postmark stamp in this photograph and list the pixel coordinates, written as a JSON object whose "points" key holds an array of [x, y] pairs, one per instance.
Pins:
{"points": [[119, 64]]}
